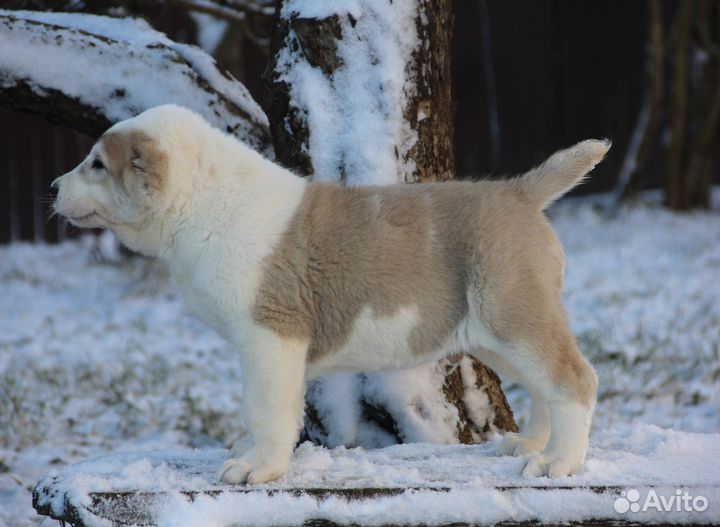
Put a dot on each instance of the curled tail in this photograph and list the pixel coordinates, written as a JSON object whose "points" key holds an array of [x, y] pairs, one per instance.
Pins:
{"points": [[561, 172]]}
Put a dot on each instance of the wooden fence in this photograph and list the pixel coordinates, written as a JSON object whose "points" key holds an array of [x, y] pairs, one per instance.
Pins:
{"points": [[33, 152]]}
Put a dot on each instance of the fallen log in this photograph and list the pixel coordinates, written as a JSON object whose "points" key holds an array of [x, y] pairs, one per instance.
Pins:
{"points": [[88, 72]]}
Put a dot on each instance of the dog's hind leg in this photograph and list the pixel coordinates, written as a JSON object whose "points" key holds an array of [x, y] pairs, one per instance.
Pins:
{"points": [[563, 388], [532, 343], [534, 435], [569, 385]]}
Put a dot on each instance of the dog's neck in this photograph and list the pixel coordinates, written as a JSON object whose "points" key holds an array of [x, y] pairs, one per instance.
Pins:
{"points": [[240, 211]]}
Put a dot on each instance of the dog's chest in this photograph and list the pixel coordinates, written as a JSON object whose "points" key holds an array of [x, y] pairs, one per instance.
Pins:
{"points": [[214, 294]]}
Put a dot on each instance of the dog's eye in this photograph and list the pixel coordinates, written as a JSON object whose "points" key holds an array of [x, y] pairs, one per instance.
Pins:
{"points": [[97, 164]]}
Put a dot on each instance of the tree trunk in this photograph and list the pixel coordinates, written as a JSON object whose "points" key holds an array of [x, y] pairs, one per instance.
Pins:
{"points": [[695, 110], [648, 121], [701, 159], [676, 193], [691, 109], [363, 96]]}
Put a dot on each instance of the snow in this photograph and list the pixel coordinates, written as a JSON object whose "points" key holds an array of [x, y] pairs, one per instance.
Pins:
{"points": [[421, 410], [100, 358], [355, 117], [476, 401], [337, 401], [63, 54], [320, 9], [448, 483]]}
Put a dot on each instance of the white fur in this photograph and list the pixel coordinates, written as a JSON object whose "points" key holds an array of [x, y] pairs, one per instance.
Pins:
{"points": [[376, 343]]}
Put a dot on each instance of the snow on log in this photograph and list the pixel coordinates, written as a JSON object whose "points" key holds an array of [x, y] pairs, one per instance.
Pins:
{"points": [[360, 92], [88, 72], [417, 484]]}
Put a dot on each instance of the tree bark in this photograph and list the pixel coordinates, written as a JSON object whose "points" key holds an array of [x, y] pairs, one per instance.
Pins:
{"points": [[431, 111], [649, 118], [676, 192], [701, 158], [321, 47], [119, 77], [428, 111]]}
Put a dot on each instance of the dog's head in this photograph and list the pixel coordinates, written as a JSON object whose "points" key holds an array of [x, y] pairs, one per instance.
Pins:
{"points": [[136, 175]]}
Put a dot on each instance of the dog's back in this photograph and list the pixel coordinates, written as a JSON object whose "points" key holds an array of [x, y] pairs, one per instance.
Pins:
{"points": [[422, 255]]}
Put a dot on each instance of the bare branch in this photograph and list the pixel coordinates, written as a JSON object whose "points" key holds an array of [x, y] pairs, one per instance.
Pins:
{"points": [[258, 7], [243, 14], [211, 8]]}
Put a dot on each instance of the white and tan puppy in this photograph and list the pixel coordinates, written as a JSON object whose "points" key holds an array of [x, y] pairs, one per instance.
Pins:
{"points": [[308, 278]]}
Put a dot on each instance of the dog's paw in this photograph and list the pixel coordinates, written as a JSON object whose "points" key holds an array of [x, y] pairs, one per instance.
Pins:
{"points": [[514, 444], [250, 468], [555, 466]]}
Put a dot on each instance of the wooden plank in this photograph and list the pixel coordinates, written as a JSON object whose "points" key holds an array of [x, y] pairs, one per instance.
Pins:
{"points": [[135, 508], [394, 485]]}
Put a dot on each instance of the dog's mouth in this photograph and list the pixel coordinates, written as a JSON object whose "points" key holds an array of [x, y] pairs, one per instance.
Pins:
{"points": [[92, 219], [82, 218]]}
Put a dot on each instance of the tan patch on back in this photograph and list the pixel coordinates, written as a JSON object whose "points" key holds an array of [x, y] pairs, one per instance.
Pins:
{"points": [[433, 249], [384, 248]]}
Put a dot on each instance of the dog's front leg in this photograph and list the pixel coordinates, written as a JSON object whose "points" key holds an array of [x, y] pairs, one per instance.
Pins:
{"points": [[273, 371]]}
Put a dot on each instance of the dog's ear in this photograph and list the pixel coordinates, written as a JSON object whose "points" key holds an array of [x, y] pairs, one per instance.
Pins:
{"points": [[148, 160], [136, 159]]}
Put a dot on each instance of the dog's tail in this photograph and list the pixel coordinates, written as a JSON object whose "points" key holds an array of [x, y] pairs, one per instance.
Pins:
{"points": [[561, 172]]}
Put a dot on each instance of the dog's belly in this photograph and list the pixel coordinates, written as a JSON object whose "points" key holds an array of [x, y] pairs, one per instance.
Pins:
{"points": [[375, 343], [382, 343]]}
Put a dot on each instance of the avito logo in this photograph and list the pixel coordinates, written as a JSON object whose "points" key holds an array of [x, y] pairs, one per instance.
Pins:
{"points": [[680, 501]]}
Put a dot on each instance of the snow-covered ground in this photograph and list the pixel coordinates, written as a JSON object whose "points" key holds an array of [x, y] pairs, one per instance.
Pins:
{"points": [[98, 358]]}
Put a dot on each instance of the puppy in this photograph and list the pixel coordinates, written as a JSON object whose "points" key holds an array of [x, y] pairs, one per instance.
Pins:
{"points": [[309, 278]]}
